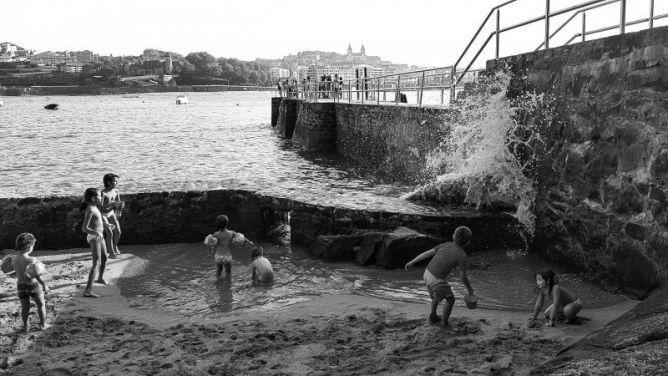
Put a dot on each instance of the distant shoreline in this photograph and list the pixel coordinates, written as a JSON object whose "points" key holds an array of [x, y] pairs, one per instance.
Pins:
{"points": [[99, 90]]}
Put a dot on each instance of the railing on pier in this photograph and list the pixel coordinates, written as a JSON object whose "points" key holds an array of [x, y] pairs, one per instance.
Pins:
{"points": [[424, 87], [575, 10], [439, 86]]}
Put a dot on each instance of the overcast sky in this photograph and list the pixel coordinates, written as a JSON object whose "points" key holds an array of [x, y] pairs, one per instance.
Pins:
{"points": [[421, 32]]}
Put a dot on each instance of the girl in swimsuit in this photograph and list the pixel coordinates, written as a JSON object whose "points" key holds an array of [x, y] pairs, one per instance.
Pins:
{"points": [[564, 303], [93, 226]]}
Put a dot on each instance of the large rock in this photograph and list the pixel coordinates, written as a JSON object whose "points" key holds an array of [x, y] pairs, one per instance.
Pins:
{"points": [[401, 246], [389, 250], [634, 344]]}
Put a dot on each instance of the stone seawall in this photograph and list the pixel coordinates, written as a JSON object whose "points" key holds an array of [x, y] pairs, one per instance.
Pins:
{"points": [[603, 184], [287, 117], [316, 127], [168, 217], [394, 140]]}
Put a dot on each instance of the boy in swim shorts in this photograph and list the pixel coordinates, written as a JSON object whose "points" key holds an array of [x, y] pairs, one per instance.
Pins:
{"points": [[223, 248], [29, 286], [444, 258]]}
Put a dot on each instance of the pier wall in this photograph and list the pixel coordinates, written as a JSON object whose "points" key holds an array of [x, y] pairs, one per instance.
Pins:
{"points": [[316, 127], [394, 140], [603, 180], [287, 117]]}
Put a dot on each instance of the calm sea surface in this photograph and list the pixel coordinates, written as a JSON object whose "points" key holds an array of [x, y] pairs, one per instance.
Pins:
{"points": [[218, 140]]}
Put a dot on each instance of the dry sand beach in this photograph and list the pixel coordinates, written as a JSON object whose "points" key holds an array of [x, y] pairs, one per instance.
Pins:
{"points": [[328, 335]]}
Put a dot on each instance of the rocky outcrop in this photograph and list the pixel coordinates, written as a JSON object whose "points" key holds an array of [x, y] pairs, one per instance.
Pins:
{"points": [[387, 249], [603, 177], [634, 344]]}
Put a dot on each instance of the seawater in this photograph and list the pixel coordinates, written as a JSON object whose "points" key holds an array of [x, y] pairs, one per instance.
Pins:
{"points": [[218, 140], [181, 279]]}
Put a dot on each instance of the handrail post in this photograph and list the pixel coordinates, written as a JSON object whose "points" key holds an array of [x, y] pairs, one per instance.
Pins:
{"points": [[622, 16], [442, 88], [453, 83], [398, 94], [498, 26], [421, 90], [547, 24], [584, 25], [384, 90], [651, 14]]}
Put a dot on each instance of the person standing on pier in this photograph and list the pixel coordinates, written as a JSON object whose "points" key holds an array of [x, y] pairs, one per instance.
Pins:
{"points": [[444, 258]]}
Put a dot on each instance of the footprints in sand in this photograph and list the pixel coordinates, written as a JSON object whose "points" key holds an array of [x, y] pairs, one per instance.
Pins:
{"points": [[367, 342]]}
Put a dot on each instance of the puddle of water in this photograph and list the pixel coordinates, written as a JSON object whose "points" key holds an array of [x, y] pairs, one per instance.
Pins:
{"points": [[180, 278]]}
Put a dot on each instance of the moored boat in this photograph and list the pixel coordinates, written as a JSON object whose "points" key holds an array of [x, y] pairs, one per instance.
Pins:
{"points": [[51, 106], [182, 99]]}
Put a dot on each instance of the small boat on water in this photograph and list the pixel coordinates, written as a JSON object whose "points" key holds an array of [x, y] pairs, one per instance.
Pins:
{"points": [[51, 106], [126, 95], [182, 99], [1, 103]]}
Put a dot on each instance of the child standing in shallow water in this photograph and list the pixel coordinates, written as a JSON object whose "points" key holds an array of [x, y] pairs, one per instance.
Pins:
{"points": [[261, 270], [444, 258], [93, 226], [222, 249], [563, 301], [28, 286]]}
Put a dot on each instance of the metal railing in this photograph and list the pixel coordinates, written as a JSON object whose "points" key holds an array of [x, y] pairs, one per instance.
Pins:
{"points": [[450, 79], [422, 87], [581, 8]]}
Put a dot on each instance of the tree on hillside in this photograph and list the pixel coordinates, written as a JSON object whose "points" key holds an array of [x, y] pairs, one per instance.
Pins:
{"points": [[205, 64]]}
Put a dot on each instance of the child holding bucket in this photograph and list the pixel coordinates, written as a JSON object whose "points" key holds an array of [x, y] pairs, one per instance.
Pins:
{"points": [[28, 280], [444, 258]]}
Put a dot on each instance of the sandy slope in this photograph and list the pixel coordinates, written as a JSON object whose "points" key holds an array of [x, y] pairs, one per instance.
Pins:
{"points": [[337, 335]]}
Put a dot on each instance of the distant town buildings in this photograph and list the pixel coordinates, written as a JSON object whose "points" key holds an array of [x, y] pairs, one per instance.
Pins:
{"points": [[52, 58], [349, 66], [12, 53], [275, 73]]}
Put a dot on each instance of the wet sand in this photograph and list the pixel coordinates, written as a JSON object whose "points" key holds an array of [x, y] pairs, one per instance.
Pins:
{"points": [[329, 335]]}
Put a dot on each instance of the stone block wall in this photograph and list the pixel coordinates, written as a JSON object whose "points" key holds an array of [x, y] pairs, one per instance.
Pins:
{"points": [[168, 217], [602, 186], [148, 218], [394, 140], [316, 127], [275, 109], [287, 117]]}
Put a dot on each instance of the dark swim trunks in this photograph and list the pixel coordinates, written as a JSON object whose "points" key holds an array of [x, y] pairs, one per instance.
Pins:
{"points": [[30, 290]]}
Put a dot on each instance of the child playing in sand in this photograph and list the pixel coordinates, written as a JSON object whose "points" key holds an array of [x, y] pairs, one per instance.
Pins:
{"points": [[111, 205], [444, 258], [564, 303], [222, 249], [27, 285], [261, 270], [93, 226]]}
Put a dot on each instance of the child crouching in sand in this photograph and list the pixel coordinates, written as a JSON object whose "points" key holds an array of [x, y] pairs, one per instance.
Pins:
{"points": [[27, 284], [222, 248], [563, 301], [261, 270], [444, 258]]}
